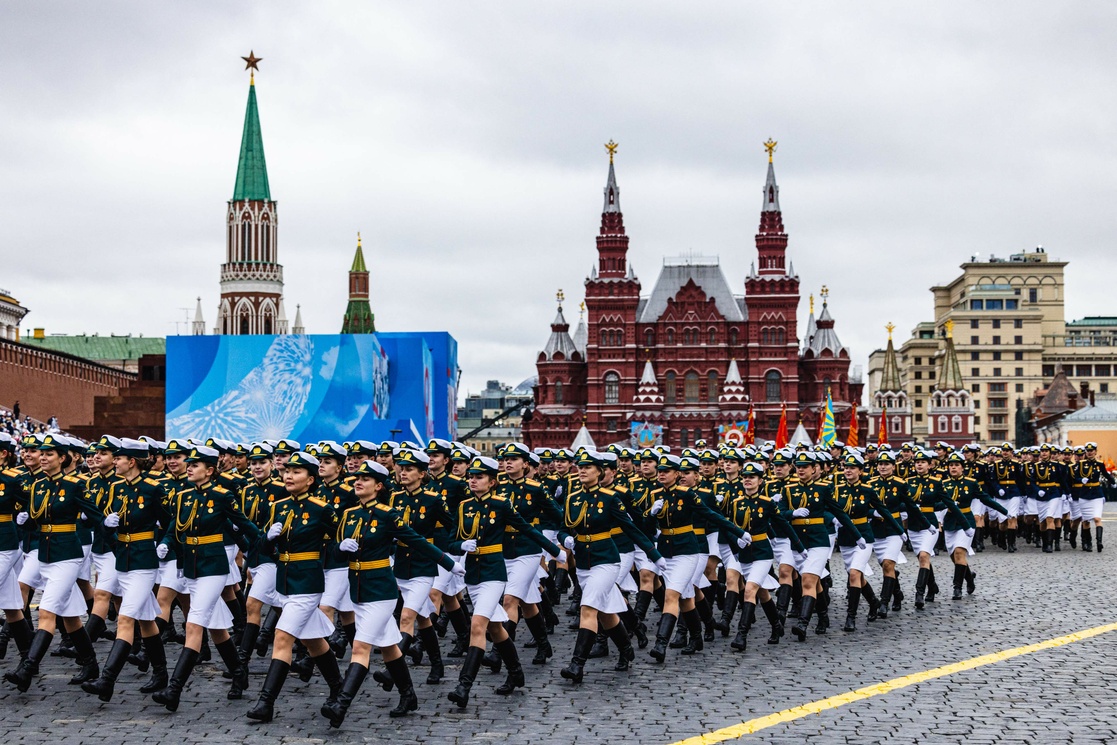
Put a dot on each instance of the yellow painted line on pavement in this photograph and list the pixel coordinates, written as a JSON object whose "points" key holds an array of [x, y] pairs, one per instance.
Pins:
{"points": [[816, 707]]}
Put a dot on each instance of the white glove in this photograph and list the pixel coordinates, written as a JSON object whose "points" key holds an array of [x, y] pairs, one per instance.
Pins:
{"points": [[234, 527], [1001, 492], [721, 497], [745, 541], [802, 512], [661, 565], [349, 546], [469, 546], [457, 570], [657, 507], [861, 544], [274, 531], [969, 532], [21, 518], [112, 520], [1085, 481], [876, 514], [568, 544], [161, 550], [557, 554], [932, 530]]}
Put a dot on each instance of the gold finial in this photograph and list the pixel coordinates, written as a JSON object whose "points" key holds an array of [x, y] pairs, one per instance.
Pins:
{"points": [[949, 327], [770, 146], [582, 308], [890, 326], [825, 293], [559, 296], [358, 239], [612, 148], [812, 303]]}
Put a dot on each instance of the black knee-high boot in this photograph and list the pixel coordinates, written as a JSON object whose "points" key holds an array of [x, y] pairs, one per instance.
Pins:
{"points": [[87, 657], [507, 651], [663, 636], [932, 585], [619, 635], [470, 666], [460, 622], [959, 578], [706, 615], [783, 598], [920, 588], [885, 596], [643, 601], [538, 629], [1097, 534], [157, 656], [429, 639], [851, 609], [170, 695], [237, 667], [264, 710], [103, 686], [267, 632], [693, 621], [800, 627], [822, 610], [29, 665], [22, 634], [740, 641], [575, 670], [871, 599], [336, 710], [408, 701], [95, 627], [732, 598]]}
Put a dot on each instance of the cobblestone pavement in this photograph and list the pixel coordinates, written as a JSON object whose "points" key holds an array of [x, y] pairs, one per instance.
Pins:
{"points": [[1056, 695]]}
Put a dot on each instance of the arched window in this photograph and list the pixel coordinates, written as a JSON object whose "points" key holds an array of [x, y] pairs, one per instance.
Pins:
{"points": [[712, 387], [690, 388], [697, 435], [267, 325], [781, 336], [773, 388], [603, 335], [244, 325], [943, 425], [713, 336], [733, 336], [649, 338], [956, 423], [896, 425], [684, 437], [764, 335], [669, 394], [670, 336], [612, 388], [558, 391]]}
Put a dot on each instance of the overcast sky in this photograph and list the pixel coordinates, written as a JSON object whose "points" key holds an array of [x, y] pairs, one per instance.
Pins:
{"points": [[464, 141]]}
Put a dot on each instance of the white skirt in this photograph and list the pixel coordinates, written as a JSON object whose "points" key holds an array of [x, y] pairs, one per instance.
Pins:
{"points": [[1031, 506], [376, 623], [857, 559], [756, 572], [680, 574], [958, 539], [302, 619], [263, 586], [137, 600], [727, 557], [712, 544], [416, 594], [782, 553], [107, 581], [85, 573], [599, 588], [336, 594], [234, 570], [813, 561], [978, 508], [31, 573], [624, 574], [1051, 509], [523, 582], [1091, 508], [170, 576], [1014, 506], [923, 541], [61, 595], [643, 563], [10, 564], [207, 609], [890, 548], [447, 582], [1075, 509], [486, 600]]}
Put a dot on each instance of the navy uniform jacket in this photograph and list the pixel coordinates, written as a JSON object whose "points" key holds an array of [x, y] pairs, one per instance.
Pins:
{"points": [[590, 517]]}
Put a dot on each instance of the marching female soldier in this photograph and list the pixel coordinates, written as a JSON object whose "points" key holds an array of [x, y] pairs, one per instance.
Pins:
{"points": [[888, 535], [300, 527], [135, 504], [199, 516], [589, 517], [12, 499], [263, 491], [481, 523], [55, 506], [962, 490], [339, 495], [367, 534]]}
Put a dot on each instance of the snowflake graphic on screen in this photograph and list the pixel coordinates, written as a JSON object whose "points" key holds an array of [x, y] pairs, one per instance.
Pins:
{"points": [[266, 404]]}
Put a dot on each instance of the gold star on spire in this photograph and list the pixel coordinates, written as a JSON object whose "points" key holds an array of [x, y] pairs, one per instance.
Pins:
{"points": [[890, 327], [358, 239], [770, 146], [612, 148]]}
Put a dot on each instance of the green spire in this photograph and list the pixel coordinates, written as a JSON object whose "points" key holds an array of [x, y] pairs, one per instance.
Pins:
{"points": [[358, 258], [252, 171]]}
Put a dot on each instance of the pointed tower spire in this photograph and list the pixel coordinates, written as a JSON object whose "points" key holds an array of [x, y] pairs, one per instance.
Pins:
{"points": [[359, 318], [647, 392], [612, 243], [950, 372], [890, 375], [252, 170], [281, 325], [581, 334], [299, 327], [560, 342], [771, 241], [199, 326], [733, 393]]}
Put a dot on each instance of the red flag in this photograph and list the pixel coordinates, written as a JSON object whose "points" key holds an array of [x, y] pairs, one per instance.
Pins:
{"points": [[882, 430], [781, 431], [851, 438], [750, 433]]}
